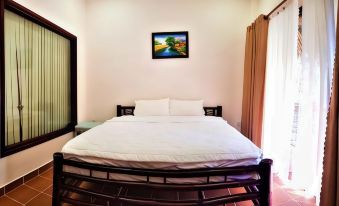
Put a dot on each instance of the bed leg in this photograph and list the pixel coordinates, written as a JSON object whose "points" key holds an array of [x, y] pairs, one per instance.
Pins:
{"points": [[265, 186], [57, 171]]}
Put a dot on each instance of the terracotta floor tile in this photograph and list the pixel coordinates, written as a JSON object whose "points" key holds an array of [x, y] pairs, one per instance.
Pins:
{"points": [[237, 190], [39, 183], [8, 202], [90, 186], [40, 200], [23, 194], [80, 197], [49, 191], [306, 203], [275, 186], [290, 203], [277, 180], [298, 196], [304, 199], [280, 196], [245, 203], [216, 193], [48, 174]]}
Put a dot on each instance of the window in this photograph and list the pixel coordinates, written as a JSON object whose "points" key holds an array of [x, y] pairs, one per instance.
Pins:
{"points": [[38, 79]]}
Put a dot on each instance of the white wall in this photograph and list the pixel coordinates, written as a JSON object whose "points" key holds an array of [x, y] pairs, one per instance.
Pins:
{"points": [[14, 166], [115, 64], [120, 67], [266, 6], [69, 15]]}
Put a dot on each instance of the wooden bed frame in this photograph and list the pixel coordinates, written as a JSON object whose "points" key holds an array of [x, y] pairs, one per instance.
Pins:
{"points": [[89, 190]]}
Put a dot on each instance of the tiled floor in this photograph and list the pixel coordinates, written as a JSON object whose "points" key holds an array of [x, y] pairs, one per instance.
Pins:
{"points": [[38, 192], [284, 196]]}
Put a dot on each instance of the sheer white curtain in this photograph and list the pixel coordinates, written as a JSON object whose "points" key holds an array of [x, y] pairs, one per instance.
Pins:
{"points": [[297, 92], [280, 89], [318, 29]]}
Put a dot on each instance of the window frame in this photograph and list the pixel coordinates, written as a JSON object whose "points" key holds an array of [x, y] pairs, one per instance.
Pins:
{"points": [[32, 16]]}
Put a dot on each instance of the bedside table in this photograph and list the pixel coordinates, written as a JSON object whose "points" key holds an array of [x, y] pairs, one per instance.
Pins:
{"points": [[84, 126]]}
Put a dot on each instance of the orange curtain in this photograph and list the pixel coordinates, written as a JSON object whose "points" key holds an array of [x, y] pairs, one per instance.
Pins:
{"points": [[254, 80], [330, 181]]}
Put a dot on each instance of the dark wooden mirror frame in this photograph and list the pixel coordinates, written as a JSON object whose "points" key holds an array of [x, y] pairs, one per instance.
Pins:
{"points": [[30, 15]]}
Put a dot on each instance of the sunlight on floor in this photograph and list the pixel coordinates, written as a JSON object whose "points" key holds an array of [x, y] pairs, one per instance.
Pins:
{"points": [[285, 195]]}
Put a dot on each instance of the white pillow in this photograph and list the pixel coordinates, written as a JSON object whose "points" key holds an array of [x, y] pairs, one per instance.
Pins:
{"points": [[187, 107], [152, 107]]}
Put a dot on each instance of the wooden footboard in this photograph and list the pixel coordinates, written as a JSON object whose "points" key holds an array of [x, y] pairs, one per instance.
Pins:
{"points": [[88, 189]]}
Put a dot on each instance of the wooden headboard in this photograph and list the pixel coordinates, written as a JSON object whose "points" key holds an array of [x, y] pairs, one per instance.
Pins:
{"points": [[129, 110]]}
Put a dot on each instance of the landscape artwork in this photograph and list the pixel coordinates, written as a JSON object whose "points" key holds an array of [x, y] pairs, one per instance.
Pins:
{"points": [[169, 45]]}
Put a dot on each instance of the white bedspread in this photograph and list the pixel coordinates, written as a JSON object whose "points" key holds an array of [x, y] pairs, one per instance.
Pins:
{"points": [[164, 142]]}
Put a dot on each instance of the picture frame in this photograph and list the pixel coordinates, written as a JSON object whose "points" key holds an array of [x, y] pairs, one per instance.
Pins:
{"points": [[167, 45]]}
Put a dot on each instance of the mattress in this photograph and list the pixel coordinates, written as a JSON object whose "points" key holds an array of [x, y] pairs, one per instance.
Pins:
{"points": [[164, 142]]}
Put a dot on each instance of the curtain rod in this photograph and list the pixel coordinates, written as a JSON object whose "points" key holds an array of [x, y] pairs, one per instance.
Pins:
{"points": [[276, 8]]}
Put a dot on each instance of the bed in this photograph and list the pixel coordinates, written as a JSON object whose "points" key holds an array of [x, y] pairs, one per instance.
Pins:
{"points": [[132, 160]]}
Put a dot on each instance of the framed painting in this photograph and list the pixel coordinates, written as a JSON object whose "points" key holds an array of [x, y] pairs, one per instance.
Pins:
{"points": [[170, 45]]}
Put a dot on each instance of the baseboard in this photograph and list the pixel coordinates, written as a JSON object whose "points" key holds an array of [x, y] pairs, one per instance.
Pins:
{"points": [[16, 183]]}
